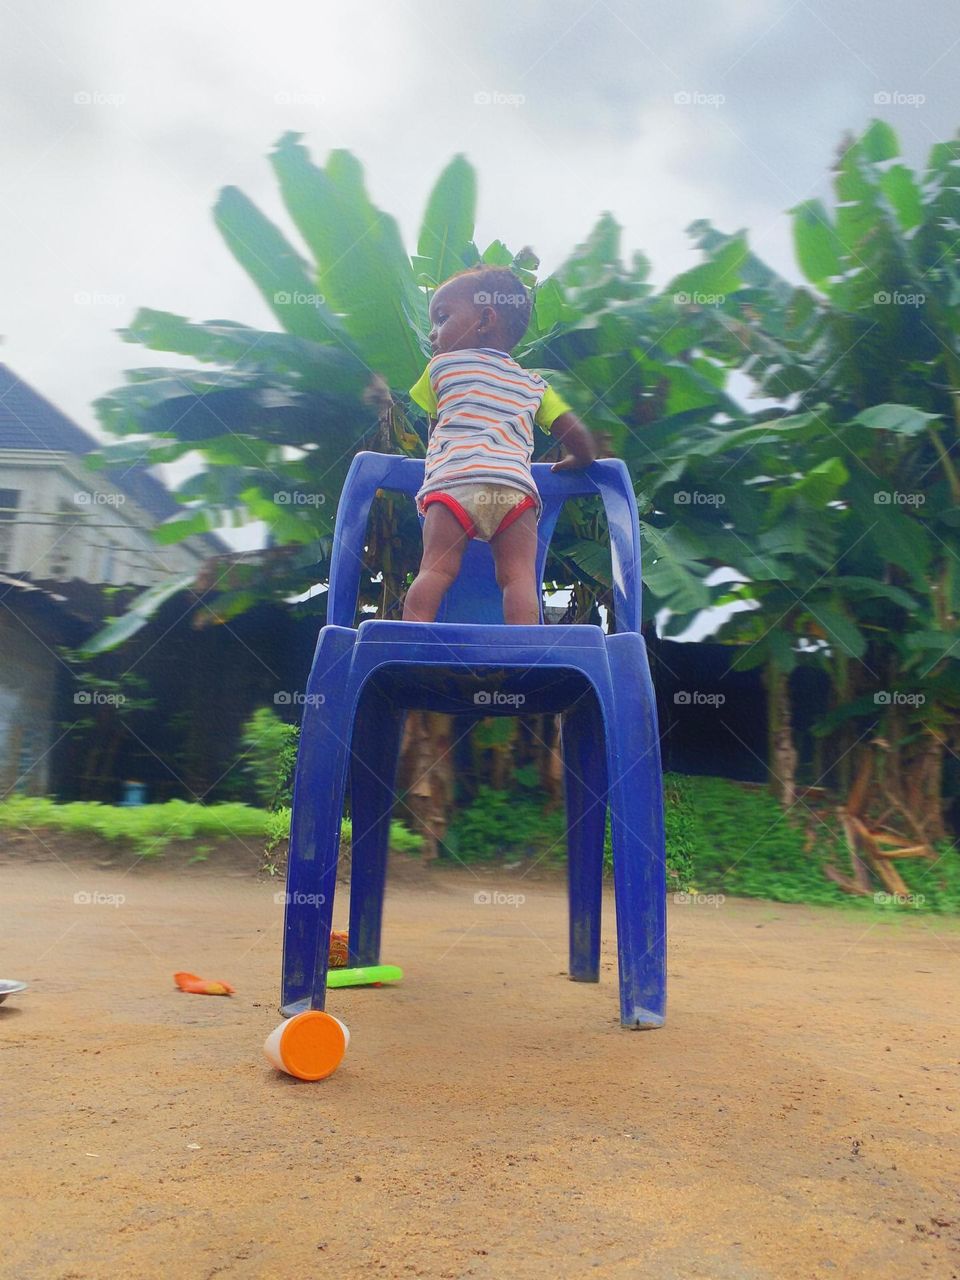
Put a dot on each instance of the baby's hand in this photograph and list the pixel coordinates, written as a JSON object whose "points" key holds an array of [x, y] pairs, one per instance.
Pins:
{"points": [[571, 463], [574, 436]]}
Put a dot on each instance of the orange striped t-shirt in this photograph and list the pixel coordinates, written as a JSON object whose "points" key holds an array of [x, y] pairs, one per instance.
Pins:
{"points": [[485, 405]]}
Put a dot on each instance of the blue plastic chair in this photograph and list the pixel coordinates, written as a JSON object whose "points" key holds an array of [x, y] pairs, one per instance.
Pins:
{"points": [[470, 664]]}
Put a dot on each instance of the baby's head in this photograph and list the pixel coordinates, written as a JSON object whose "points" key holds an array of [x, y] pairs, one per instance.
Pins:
{"points": [[482, 307]]}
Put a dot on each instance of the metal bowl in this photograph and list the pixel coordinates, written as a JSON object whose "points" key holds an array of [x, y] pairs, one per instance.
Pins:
{"points": [[8, 987]]}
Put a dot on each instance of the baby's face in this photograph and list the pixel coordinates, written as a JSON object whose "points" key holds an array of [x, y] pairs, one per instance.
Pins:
{"points": [[457, 320]]}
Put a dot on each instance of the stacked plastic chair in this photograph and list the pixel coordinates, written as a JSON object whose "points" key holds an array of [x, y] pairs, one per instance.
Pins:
{"points": [[470, 664]]}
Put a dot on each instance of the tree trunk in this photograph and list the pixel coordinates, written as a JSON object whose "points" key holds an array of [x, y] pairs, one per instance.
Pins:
{"points": [[782, 754], [426, 777]]}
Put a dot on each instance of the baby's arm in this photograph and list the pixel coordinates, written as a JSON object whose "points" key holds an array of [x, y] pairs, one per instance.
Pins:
{"points": [[574, 437]]}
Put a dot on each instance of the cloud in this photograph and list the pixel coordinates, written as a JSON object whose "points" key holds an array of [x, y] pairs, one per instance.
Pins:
{"points": [[566, 109]]}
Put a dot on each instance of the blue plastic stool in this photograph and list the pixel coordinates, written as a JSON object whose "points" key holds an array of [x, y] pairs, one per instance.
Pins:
{"points": [[364, 679]]}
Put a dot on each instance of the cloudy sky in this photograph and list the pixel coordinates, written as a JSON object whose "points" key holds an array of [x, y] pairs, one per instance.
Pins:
{"points": [[122, 120]]}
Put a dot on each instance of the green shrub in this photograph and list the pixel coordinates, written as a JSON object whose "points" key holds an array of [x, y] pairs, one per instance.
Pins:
{"points": [[402, 839], [149, 828], [268, 756], [745, 844], [504, 824]]}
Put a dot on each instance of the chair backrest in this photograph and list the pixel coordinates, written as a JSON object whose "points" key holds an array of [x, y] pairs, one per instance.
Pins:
{"points": [[475, 596]]}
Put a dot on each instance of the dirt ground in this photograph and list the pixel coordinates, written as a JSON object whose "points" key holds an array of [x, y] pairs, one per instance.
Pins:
{"points": [[796, 1117]]}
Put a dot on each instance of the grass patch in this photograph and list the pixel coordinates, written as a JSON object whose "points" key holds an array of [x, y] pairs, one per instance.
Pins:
{"points": [[745, 845], [500, 825], [148, 829]]}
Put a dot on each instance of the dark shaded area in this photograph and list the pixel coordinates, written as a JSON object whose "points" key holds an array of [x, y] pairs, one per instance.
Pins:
{"points": [[205, 681], [713, 720]]}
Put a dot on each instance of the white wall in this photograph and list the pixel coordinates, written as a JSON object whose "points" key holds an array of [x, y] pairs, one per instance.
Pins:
{"points": [[75, 525]]}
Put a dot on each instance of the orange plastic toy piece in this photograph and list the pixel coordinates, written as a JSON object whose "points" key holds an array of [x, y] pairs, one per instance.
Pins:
{"points": [[338, 949], [200, 986]]}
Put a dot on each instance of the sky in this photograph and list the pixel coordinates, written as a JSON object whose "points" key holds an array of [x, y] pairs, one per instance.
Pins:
{"points": [[121, 121]]}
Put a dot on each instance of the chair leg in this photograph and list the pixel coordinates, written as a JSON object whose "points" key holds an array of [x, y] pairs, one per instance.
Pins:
{"points": [[315, 826], [636, 814], [585, 787], [373, 768]]}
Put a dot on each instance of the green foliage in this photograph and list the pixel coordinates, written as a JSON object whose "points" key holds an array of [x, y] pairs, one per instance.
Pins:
{"points": [[746, 845], [680, 830], [268, 756], [402, 839], [276, 416], [837, 507], [503, 825], [148, 828], [723, 837]]}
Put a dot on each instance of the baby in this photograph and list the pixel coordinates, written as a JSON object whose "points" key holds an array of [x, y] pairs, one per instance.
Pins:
{"points": [[483, 406]]}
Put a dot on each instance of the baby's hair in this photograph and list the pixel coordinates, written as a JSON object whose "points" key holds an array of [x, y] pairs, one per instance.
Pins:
{"points": [[500, 288]]}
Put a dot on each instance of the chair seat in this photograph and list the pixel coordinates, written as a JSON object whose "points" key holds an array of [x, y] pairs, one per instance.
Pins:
{"points": [[538, 639]]}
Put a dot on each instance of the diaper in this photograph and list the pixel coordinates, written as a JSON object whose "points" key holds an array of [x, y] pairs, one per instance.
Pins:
{"points": [[484, 510]]}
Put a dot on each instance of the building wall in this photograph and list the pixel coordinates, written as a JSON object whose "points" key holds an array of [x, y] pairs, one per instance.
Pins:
{"points": [[70, 525], [28, 684]]}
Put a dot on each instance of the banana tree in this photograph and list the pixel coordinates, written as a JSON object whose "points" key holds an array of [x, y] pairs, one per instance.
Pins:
{"points": [[841, 508], [274, 417]]}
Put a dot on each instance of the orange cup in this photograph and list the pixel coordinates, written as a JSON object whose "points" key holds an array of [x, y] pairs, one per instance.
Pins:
{"points": [[309, 1045]]}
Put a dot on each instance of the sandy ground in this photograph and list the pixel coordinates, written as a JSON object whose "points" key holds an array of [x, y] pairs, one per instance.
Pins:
{"points": [[797, 1117]]}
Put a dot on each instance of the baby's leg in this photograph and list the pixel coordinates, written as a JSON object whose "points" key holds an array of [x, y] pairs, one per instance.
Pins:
{"points": [[515, 556], [444, 541]]}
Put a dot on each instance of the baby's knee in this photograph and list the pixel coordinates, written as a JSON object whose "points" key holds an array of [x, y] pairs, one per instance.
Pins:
{"points": [[512, 574], [443, 575]]}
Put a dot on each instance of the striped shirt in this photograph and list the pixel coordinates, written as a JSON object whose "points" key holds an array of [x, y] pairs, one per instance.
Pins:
{"points": [[485, 407]]}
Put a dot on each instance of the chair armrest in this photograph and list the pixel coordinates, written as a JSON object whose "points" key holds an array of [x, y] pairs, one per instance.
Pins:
{"points": [[611, 480], [368, 473]]}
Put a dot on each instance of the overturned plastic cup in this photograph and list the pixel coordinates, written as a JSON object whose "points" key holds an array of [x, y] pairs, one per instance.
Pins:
{"points": [[309, 1045]]}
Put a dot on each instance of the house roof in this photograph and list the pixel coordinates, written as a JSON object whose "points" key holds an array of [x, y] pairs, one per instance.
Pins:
{"points": [[29, 421]]}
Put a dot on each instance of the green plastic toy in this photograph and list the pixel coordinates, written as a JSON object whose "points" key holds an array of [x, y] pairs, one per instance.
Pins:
{"points": [[369, 976]]}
